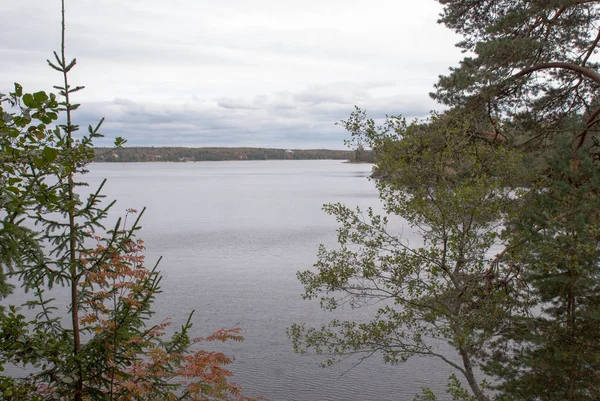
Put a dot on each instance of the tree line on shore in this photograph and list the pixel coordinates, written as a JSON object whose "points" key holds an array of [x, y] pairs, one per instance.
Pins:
{"points": [[190, 154]]}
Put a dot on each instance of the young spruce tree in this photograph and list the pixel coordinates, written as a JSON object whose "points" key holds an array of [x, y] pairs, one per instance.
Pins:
{"points": [[51, 238]]}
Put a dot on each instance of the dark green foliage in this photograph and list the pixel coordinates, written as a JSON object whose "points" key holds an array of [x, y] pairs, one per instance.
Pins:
{"points": [[552, 353], [534, 77], [531, 61]]}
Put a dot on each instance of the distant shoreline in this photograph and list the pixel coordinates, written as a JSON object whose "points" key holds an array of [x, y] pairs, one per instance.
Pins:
{"points": [[183, 154]]}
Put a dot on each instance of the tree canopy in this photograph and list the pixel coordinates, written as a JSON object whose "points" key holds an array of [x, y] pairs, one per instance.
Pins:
{"points": [[503, 188], [531, 62]]}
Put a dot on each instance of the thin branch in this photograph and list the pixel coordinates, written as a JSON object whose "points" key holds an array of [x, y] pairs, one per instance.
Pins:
{"points": [[361, 360], [591, 49]]}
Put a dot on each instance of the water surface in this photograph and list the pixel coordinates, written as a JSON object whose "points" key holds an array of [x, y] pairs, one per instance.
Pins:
{"points": [[232, 236]]}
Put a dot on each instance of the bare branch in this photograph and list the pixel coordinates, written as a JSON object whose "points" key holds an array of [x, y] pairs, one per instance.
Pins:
{"points": [[591, 49]]}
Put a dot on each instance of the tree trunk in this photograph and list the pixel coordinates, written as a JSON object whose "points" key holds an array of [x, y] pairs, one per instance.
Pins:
{"points": [[479, 394]]}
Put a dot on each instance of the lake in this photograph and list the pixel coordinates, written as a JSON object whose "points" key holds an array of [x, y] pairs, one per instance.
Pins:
{"points": [[232, 236]]}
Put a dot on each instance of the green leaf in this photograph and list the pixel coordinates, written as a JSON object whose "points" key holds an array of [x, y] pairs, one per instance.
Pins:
{"points": [[39, 162], [28, 100], [18, 90], [45, 118], [50, 154], [119, 141], [14, 190], [40, 96]]}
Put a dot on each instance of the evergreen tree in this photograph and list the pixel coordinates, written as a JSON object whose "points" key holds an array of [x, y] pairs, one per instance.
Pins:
{"points": [[50, 238], [529, 61], [534, 75], [553, 351], [523, 114]]}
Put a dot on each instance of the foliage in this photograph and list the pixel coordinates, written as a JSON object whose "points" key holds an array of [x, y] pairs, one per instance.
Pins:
{"points": [[509, 169], [533, 71], [531, 61], [27, 156], [452, 189], [454, 388], [53, 239], [356, 142], [552, 352]]}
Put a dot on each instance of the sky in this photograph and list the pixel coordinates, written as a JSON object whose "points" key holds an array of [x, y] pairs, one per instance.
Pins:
{"points": [[260, 73]]}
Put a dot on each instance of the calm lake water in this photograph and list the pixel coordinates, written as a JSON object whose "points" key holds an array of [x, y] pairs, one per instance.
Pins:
{"points": [[232, 236]]}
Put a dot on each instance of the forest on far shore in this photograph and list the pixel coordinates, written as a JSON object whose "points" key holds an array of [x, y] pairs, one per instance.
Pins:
{"points": [[182, 154]]}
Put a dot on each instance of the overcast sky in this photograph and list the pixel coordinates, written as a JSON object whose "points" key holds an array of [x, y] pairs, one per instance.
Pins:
{"points": [[269, 73]]}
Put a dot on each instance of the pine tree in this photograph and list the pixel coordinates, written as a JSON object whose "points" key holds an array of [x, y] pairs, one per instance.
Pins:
{"points": [[529, 61], [533, 75]]}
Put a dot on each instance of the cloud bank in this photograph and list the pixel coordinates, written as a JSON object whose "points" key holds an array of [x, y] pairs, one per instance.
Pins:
{"points": [[232, 73]]}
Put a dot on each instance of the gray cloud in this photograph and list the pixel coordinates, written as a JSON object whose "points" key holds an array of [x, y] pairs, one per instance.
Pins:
{"points": [[279, 120], [265, 73]]}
